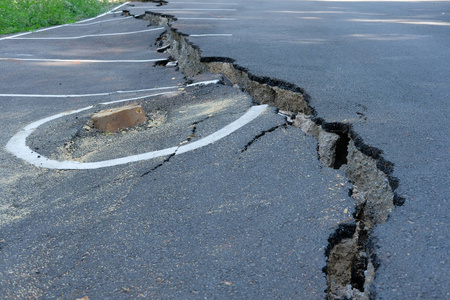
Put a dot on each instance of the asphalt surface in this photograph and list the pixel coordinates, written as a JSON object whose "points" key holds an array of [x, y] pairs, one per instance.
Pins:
{"points": [[381, 66], [246, 215]]}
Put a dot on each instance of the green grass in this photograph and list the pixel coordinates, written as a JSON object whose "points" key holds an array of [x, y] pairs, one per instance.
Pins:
{"points": [[25, 15]]}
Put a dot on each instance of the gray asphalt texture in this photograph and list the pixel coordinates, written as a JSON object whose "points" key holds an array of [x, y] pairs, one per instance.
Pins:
{"points": [[246, 217], [381, 66]]}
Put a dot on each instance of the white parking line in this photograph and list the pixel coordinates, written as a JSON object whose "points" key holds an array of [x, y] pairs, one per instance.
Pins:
{"points": [[82, 60], [136, 98], [111, 93], [88, 35], [104, 14], [204, 83], [98, 22], [204, 3], [87, 95], [211, 34], [189, 9], [17, 145], [30, 32], [207, 19]]}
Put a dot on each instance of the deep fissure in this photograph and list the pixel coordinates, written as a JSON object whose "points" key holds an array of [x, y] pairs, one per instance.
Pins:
{"points": [[351, 261]]}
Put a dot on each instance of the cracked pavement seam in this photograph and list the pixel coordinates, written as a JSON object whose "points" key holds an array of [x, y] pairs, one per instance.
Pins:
{"points": [[261, 134], [166, 160], [371, 175]]}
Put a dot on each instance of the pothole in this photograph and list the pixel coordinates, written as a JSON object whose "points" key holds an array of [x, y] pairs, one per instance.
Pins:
{"points": [[351, 262]]}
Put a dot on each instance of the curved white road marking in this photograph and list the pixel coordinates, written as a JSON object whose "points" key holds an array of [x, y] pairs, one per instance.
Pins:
{"points": [[17, 145], [88, 35], [252, 114], [83, 60]]}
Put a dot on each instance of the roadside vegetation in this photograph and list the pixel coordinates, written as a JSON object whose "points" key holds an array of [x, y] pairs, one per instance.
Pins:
{"points": [[25, 15]]}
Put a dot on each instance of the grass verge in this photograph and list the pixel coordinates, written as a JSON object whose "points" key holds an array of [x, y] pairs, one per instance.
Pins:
{"points": [[26, 15]]}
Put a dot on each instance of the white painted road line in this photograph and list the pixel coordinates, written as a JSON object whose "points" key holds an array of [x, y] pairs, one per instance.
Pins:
{"points": [[87, 36], [208, 19], [87, 95], [252, 114], [211, 34], [203, 3], [82, 60], [110, 93], [137, 98], [203, 83], [106, 13], [98, 22], [30, 32], [17, 145], [189, 9]]}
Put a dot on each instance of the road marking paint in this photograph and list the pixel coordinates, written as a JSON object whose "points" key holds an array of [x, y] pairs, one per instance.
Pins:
{"points": [[19, 54], [17, 144], [89, 35], [58, 26], [206, 19], [104, 14], [211, 34], [189, 9], [136, 98], [98, 22], [84, 60], [30, 32], [108, 93], [205, 3], [204, 83], [252, 114], [88, 95], [403, 21]]}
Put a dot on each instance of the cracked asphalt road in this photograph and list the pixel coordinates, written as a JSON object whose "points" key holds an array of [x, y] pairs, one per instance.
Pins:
{"points": [[379, 65], [247, 216]]}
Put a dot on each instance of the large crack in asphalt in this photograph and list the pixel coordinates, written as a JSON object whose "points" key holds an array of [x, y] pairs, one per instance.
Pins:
{"points": [[351, 261]]}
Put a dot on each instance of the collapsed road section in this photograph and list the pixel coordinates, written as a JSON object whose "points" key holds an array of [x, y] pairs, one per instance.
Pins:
{"points": [[230, 209], [351, 261], [246, 216]]}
